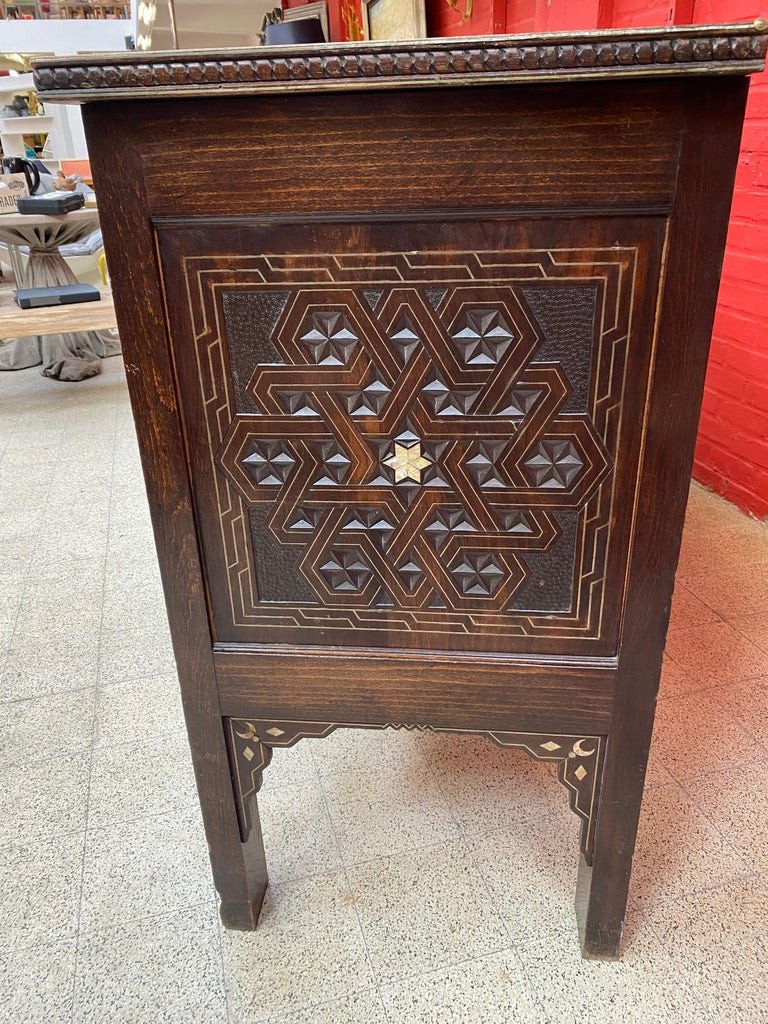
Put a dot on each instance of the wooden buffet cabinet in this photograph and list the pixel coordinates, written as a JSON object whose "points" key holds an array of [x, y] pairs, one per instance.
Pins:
{"points": [[415, 339]]}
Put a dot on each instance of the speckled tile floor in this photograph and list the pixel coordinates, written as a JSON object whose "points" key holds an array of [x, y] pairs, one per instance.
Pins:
{"points": [[416, 879]]}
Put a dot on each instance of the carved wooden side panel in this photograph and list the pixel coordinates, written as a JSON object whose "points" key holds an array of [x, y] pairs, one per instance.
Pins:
{"points": [[416, 443], [579, 758]]}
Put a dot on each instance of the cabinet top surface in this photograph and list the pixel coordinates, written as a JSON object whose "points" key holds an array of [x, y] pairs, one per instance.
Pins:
{"points": [[620, 53]]}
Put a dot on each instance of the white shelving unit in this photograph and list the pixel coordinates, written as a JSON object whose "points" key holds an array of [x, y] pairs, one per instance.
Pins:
{"points": [[12, 129]]}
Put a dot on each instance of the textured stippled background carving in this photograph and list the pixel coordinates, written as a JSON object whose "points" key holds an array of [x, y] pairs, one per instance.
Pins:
{"points": [[502, 379]]}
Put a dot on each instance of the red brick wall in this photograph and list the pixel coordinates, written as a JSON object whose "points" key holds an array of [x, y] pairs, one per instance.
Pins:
{"points": [[732, 449]]}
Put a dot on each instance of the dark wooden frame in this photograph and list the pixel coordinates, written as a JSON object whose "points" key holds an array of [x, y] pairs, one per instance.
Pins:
{"points": [[242, 700]]}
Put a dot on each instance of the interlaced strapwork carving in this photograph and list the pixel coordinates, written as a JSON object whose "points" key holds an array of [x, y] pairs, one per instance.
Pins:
{"points": [[381, 442], [414, 457]]}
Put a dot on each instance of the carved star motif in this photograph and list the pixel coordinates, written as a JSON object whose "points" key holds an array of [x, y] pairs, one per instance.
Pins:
{"points": [[407, 462], [555, 464], [484, 337], [331, 339]]}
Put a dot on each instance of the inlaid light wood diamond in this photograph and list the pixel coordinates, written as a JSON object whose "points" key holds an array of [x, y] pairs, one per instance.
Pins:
{"points": [[580, 773], [550, 746], [248, 754], [274, 731]]}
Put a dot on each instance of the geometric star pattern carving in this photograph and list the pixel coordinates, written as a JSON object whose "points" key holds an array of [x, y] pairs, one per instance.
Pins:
{"points": [[366, 446], [483, 337], [554, 464], [478, 573], [269, 463], [329, 339]]}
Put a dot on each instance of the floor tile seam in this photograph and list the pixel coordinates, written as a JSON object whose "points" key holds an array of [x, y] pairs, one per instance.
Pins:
{"points": [[112, 823], [111, 745], [707, 687], [58, 936], [660, 902], [396, 980], [532, 989], [383, 983], [94, 933], [671, 697], [684, 781], [680, 784], [722, 769], [49, 834], [685, 626], [683, 973], [277, 1018], [625, 944], [681, 583], [55, 693], [439, 781], [436, 845], [102, 686], [93, 730], [350, 889], [182, 808], [142, 636], [401, 852], [222, 965], [732, 618], [516, 945]]}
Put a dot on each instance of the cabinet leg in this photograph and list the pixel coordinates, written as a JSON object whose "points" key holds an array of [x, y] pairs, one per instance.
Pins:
{"points": [[243, 887], [599, 914], [603, 886], [238, 858]]}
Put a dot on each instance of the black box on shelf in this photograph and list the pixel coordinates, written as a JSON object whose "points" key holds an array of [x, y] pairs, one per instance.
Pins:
{"points": [[52, 203], [59, 295]]}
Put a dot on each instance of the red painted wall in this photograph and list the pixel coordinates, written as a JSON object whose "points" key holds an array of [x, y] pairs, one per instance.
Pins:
{"points": [[732, 450]]}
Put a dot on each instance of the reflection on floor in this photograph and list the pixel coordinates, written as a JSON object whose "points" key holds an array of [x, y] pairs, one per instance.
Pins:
{"points": [[416, 879]]}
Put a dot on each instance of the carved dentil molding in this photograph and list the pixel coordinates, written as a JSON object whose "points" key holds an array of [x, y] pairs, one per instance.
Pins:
{"points": [[621, 53]]}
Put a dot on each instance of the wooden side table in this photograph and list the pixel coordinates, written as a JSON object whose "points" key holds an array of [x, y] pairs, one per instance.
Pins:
{"points": [[73, 354], [416, 380]]}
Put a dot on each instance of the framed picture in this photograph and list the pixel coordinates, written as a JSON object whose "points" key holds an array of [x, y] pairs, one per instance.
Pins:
{"points": [[317, 9], [394, 19]]}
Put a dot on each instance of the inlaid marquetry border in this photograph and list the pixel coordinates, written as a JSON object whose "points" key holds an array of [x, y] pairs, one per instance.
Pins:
{"points": [[612, 269], [622, 53], [579, 757]]}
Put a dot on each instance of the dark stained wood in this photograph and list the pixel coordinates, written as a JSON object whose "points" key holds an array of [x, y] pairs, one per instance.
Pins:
{"points": [[697, 230], [608, 275], [423, 689], [620, 53], [502, 294], [283, 151], [239, 869]]}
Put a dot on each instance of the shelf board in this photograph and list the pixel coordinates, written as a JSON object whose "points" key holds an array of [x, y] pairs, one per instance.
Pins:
{"points": [[25, 125]]}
